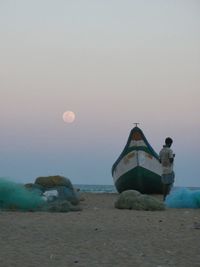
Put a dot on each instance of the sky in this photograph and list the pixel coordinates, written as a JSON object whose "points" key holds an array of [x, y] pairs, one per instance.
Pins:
{"points": [[112, 63]]}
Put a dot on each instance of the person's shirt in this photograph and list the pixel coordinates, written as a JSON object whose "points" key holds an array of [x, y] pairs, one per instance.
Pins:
{"points": [[166, 158]]}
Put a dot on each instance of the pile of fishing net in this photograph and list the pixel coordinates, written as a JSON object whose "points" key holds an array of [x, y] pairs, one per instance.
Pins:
{"points": [[134, 200], [61, 184], [15, 196], [183, 198], [19, 197]]}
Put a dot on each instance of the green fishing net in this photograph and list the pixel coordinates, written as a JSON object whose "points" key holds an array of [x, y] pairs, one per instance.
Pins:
{"points": [[15, 196]]}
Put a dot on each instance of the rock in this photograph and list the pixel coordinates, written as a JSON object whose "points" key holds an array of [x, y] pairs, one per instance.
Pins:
{"points": [[132, 199], [68, 193], [52, 181], [62, 185]]}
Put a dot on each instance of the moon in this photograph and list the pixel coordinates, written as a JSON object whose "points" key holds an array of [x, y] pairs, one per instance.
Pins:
{"points": [[68, 116]]}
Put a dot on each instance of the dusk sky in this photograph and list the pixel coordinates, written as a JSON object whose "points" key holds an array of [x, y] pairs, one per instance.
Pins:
{"points": [[112, 63]]}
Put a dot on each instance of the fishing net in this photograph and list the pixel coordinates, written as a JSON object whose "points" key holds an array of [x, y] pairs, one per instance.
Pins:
{"points": [[183, 198], [15, 196], [132, 199]]}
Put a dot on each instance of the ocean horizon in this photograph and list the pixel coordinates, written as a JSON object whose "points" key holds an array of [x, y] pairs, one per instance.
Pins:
{"points": [[111, 188], [96, 188]]}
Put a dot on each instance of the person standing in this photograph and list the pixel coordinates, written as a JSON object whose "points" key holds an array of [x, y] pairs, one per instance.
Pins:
{"points": [[166, 158]]}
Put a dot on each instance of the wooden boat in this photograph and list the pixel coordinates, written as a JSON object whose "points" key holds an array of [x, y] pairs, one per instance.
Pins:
{"points": [[138, 166]]}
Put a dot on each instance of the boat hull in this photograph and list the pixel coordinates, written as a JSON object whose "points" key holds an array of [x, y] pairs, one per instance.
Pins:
{"points": [[138, 166], [140, 179]]}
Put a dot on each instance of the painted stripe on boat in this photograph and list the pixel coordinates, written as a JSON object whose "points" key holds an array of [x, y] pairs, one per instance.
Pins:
{"points": [[137, 143], [134, 159]]}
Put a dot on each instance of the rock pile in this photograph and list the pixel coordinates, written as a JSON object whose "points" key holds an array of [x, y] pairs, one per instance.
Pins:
{"points": [[66, 198]]}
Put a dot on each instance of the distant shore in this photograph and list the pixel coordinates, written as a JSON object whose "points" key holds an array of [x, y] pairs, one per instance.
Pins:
{"points": [[100, 235]]}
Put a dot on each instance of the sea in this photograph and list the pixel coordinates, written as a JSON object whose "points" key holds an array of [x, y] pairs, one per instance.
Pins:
{"points": [[112, 189], [96, 188]]}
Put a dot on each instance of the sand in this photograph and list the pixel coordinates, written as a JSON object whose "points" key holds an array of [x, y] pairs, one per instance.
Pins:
{"points": [[100, 235]]}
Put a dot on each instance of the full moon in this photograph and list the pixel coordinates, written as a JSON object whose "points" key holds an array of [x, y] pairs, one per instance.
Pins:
{"points": [[68, 116]]}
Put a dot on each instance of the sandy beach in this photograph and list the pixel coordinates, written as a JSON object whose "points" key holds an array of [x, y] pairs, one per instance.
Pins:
{"points": [[100, 235]]}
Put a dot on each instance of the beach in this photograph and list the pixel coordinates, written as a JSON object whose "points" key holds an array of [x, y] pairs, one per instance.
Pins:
{"points": [[100, 235]]}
